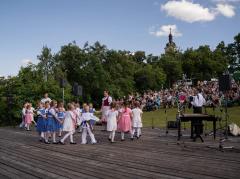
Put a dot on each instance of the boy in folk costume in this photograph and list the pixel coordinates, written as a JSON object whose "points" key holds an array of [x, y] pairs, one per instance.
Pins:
{"points": [[86, 126], [112, 117], [41, 122], [69, 124], [125, 120], [80, 120], [136, 120], [106, 102]]}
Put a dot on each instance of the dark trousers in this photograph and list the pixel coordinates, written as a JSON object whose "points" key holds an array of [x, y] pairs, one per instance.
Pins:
{"points": [[196, 125], [197, 110]]}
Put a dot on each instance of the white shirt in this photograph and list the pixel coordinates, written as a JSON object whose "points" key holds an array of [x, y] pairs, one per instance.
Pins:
{"points": [[88, 116], [44, 100], [23, 111], [198, 101], [53, 112]]}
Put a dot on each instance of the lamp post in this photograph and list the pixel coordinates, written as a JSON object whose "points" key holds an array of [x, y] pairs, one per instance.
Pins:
{"points": [[62, 85]]}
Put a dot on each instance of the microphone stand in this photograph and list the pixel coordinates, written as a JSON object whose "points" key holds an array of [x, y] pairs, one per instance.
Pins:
{"points": [[166, 119], [225, 137]]}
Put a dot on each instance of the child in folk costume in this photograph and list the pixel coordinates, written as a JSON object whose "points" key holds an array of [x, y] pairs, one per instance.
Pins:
{"points": [[41, 121], [60, 115], [92, 110], [125, 120], [136, 120], [23, 115], [84, 107], [28, 117], [86, 117], [106, 101], [69, 124], [77, 112], [52, 121], [33, 110], [112, 117], [80, 120]]}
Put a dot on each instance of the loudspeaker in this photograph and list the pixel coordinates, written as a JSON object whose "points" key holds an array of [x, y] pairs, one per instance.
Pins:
{"points": [[63, 83], [77, 89], [224, 83]]}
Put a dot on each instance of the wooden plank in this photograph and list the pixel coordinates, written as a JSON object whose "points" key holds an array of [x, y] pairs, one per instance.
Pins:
{"points": [[78, 166], [149, 157], [12, 172]]}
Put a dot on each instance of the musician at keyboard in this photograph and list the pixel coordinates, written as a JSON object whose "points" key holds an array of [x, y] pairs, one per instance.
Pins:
{"points": [[198, 101]]}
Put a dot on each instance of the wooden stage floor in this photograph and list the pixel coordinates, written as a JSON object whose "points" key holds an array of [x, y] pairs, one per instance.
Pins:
{"points": [[152, 156]]}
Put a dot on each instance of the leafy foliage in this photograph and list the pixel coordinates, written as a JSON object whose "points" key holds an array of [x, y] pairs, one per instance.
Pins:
{"points": [[97, 68]]}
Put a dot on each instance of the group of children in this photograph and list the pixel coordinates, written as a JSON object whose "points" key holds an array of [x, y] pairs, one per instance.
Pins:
{"points": [[53, 119], [124, 120]]}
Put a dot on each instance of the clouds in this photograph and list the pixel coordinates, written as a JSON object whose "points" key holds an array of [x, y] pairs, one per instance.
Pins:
{"points": [[191, 12], [187, 11], [226, 1], [164, 31], [26, 62], [226, 10]]}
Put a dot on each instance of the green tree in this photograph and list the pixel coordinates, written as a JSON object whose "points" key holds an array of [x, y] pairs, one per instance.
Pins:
{"points": [[46, 62], [172, 68]]}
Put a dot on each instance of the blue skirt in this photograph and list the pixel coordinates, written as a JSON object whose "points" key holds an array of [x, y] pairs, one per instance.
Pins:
{"points": [[51, 125], [41, 125], [59, 125]]}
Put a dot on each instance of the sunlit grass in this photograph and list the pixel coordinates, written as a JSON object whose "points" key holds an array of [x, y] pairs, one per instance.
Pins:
{"points": [[158, 118]]}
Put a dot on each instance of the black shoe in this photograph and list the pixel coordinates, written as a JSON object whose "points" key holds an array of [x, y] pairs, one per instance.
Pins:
{"points": [[109, 139], [138, 137], [73, 143], [55, 142], [62, 143], [46, 142], [122, 139], [131, 138]]}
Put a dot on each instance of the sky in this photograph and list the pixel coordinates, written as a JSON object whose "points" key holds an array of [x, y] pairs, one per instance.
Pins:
{"points": [[28, 25]]}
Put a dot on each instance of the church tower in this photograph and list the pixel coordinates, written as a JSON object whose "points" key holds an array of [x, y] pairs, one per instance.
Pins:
{"points": [[170, 46]]}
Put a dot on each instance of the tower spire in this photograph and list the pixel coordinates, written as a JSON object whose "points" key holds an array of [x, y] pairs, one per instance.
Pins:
{"points": [[170, 37]]}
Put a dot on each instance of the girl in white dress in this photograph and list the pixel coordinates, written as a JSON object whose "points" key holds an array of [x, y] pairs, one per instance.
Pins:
{"points": [[112, 116], [69, 124], [137, 120]]}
